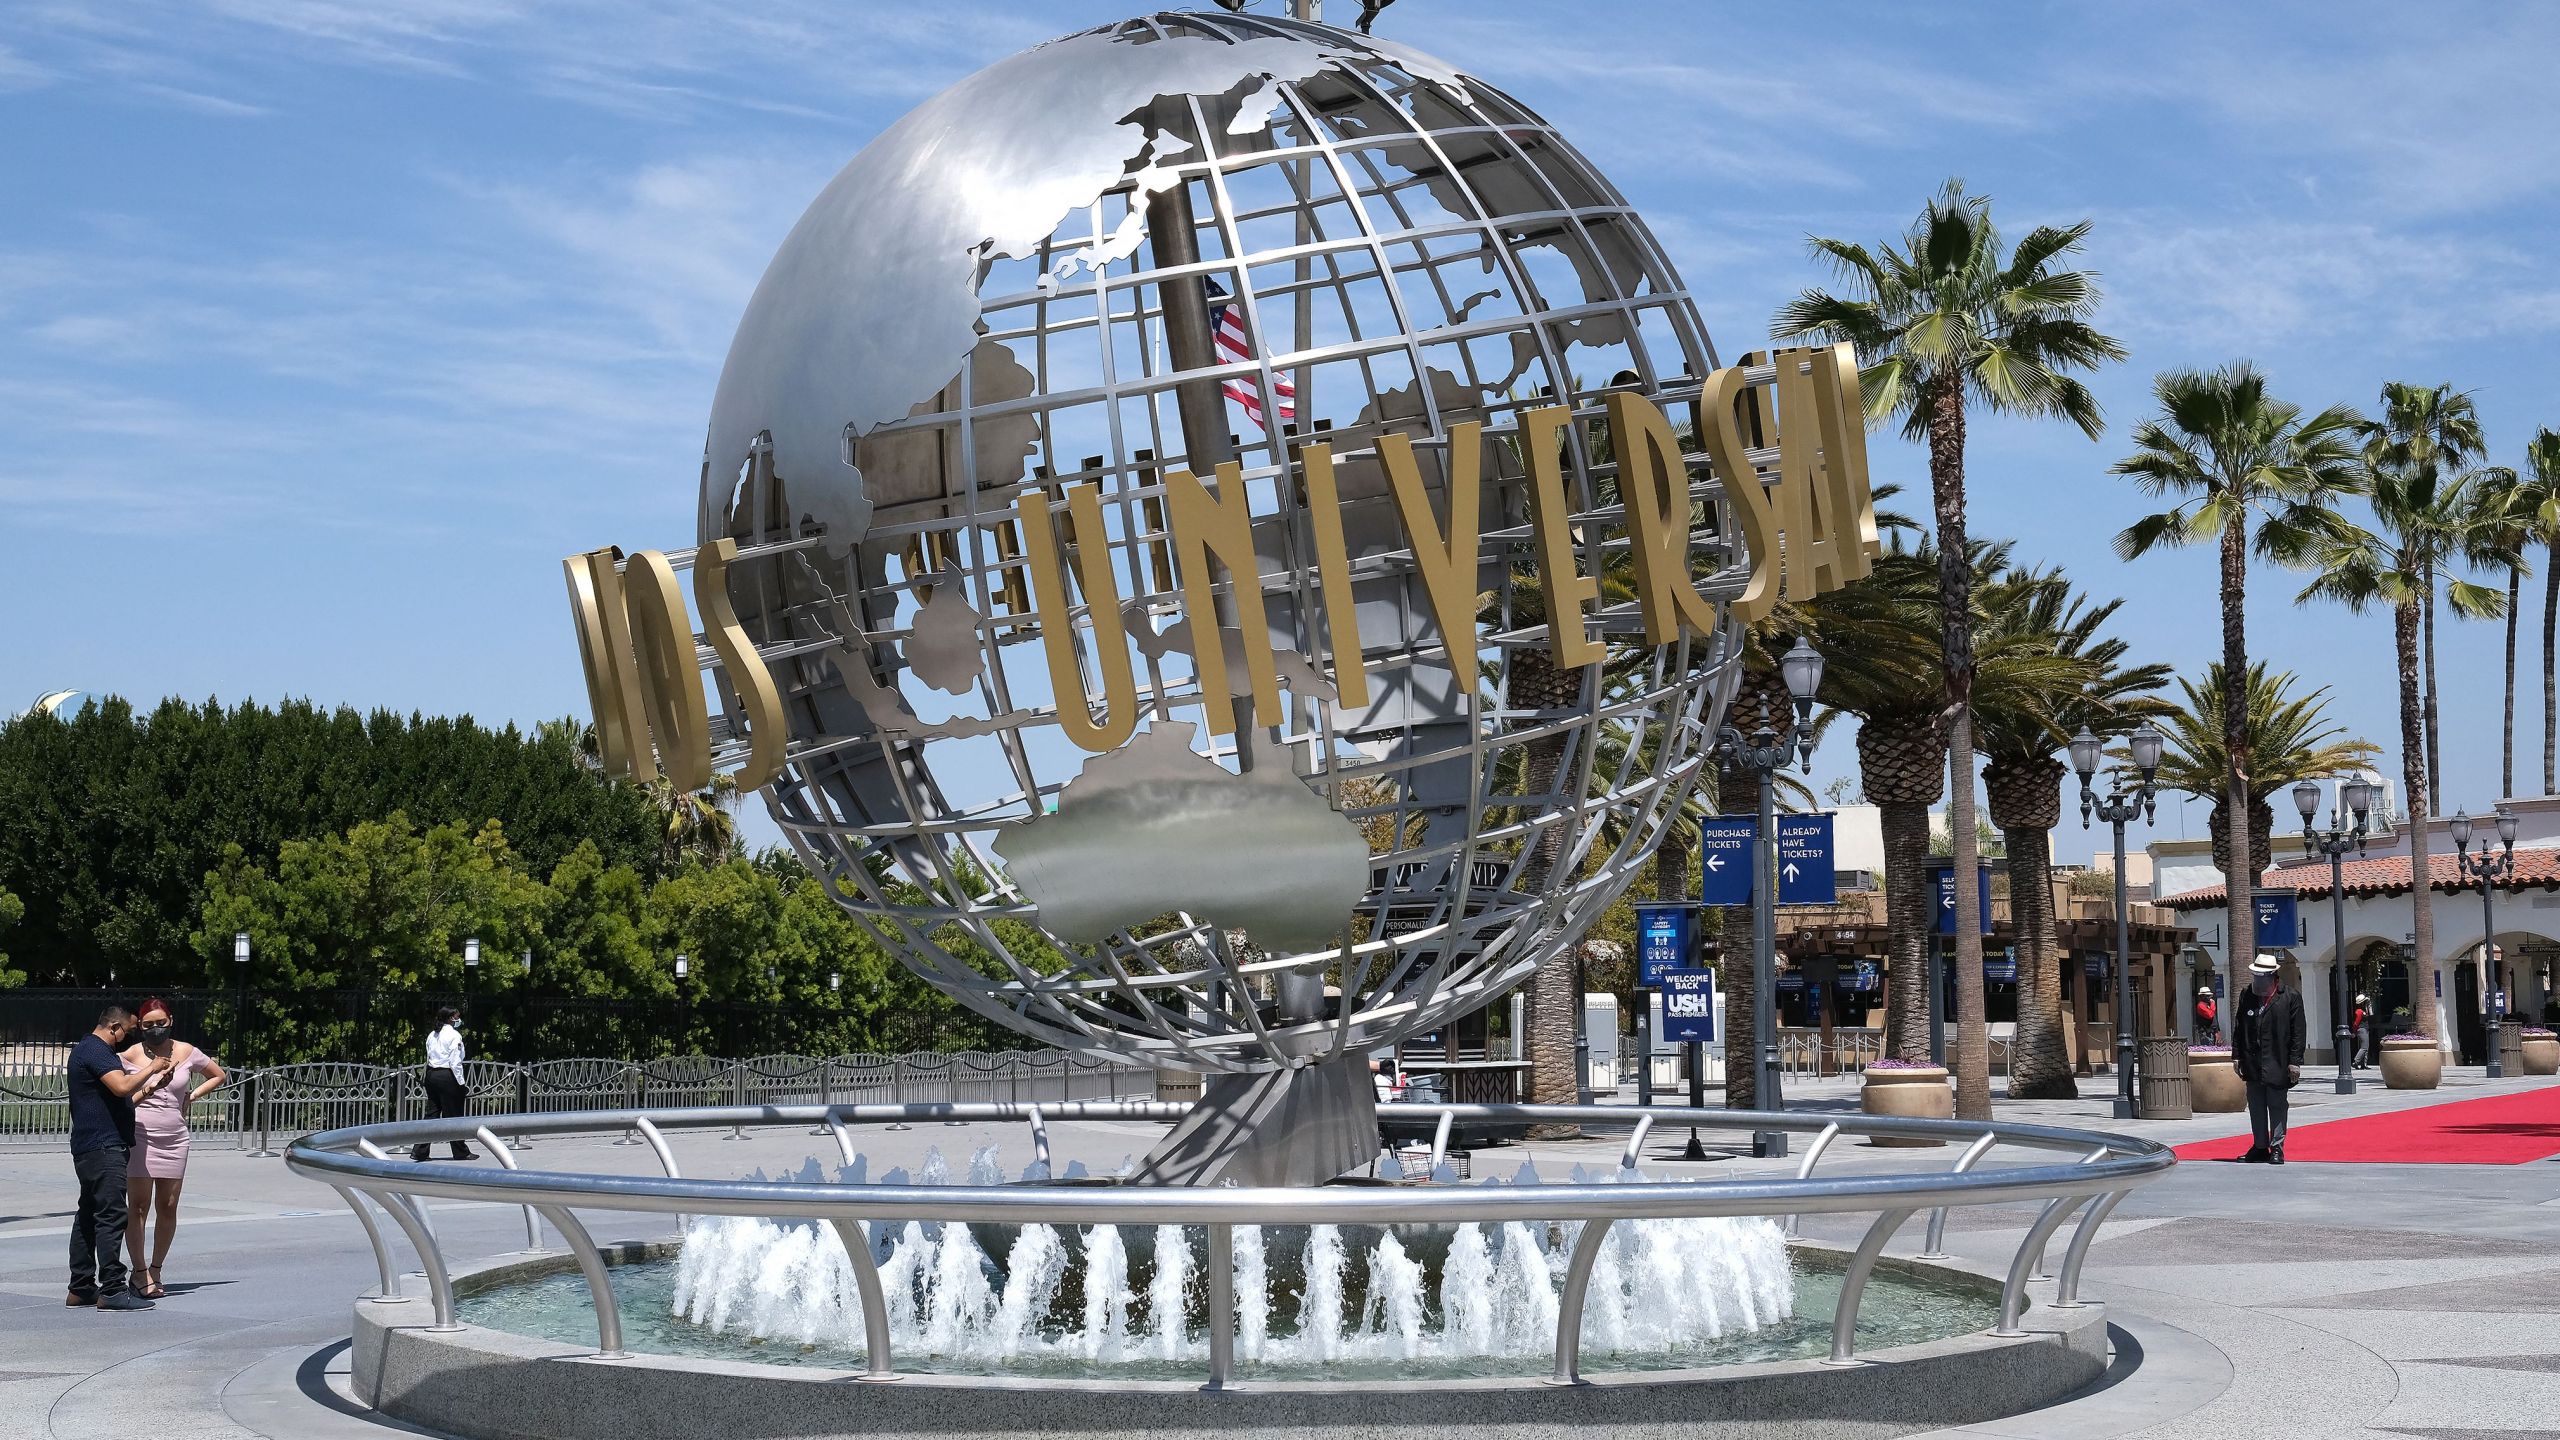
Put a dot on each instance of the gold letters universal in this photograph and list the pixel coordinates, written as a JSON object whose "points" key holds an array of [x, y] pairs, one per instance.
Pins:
{"points": [[1809, 526]]}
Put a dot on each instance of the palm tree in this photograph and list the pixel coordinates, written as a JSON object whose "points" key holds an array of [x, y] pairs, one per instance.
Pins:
{"points": [[2539, 494], [2236, 459], [2507, 511], [2285, 738], [695, 823], [2426, 440], [2023, 782], [1880, 640], [1947, 317], [2421, 521]]}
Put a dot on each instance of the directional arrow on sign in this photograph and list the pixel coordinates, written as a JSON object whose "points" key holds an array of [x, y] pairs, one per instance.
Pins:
{"points": [[1715, 862], [1788, 870], [1947, 902]]}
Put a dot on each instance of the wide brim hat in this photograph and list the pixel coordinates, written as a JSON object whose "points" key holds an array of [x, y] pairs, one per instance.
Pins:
{"points": [[2262, 966]]}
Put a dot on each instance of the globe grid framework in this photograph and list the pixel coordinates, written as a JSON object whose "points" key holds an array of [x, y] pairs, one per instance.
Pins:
{"points": [[997, 295]]}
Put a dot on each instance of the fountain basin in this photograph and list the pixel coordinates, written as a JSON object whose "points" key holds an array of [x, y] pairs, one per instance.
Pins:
{"points": [[489, 1384]]}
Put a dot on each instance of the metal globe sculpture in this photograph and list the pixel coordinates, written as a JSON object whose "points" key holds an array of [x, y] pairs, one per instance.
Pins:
{"points": [[1217, 323]]}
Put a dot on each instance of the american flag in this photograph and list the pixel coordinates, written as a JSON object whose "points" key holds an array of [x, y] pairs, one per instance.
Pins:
{"points": [[1226, 322]]}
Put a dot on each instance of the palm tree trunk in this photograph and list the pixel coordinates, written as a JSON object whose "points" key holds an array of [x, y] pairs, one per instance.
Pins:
{"points": [[2550, 670], [2507, 755], [2413, 777], [1972, 1057], [1909, 911], [1672, 860], [2435, 756], [1737, 793], [2039, 1063], [1533, 682], [2240, 883]]}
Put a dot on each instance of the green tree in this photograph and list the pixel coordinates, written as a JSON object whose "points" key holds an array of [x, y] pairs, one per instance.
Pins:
{"points": [[1952, 315], [2510, 522], [2421, 520], [11, 908], [2286, 737], [2426, 441], [2539, 498], [2243, 468], [2023, 782]]}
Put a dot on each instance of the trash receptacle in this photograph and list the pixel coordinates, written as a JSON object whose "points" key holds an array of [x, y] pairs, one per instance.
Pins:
{"points": [[2163, 1073], [2511, 1044]]}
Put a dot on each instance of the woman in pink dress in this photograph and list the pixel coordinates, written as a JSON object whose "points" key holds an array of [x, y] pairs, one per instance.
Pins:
{"points": [[160, 1139]]}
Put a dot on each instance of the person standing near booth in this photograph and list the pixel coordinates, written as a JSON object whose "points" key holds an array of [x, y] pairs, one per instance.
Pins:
{"points": [[159, 1170], [101, 1093]]}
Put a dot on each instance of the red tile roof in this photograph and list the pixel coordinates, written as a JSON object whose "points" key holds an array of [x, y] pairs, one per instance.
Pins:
{"points": [[2535, 869]]}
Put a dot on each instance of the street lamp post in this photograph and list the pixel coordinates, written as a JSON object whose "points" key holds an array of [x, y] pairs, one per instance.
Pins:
{"points": [[470, 969], [240, 1004], [2487, 868], [2346, 832], [1764, 752], [2118, 808]]}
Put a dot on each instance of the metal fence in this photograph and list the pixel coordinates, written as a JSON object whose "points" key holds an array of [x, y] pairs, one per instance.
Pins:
{"points": [[261, 1109]]}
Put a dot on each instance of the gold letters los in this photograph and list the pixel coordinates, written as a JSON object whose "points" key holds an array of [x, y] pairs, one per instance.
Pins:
{"points": [[637, 646]]}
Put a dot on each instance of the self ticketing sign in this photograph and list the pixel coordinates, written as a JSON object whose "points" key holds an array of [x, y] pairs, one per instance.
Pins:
{"points": [[1724, 861], [1946, 877], [1805, 876], [2279, 919]]}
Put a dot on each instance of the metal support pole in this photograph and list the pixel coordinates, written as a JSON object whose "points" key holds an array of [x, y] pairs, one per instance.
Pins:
{"points": [[1581, 1030], [1767, 1144], [2489, 967], [2124, 1109], [1697, 1096], [1936, 951], [2338, 987], [1644, 1047]]}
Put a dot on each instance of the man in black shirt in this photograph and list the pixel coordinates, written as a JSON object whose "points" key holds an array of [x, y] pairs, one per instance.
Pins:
{"points": [[2266, 1048], [102, 1092]]}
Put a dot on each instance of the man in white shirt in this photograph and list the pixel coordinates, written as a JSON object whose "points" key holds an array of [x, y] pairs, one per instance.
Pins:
{"points": [[448, 1098]]}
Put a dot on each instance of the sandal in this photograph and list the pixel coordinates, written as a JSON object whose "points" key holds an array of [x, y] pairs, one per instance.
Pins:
{"points": [[151, 1288]]}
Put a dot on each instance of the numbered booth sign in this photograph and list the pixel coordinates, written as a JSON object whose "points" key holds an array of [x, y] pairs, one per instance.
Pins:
{"points": [[1689, 1006], [1665, 941]]}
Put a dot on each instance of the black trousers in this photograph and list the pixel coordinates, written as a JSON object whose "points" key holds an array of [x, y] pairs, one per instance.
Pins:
{"points": [[97, 1227], [2269, 1107], [446, 1100]]}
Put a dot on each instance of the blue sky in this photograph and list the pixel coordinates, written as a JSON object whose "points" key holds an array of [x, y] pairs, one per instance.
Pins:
{"points": [[328, 326]]}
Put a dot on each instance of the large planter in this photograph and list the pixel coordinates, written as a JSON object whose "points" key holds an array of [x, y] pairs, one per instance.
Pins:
{"points": [[1920, 1093], [2541, 1053], [2411, 1064], [2214, 1083]]}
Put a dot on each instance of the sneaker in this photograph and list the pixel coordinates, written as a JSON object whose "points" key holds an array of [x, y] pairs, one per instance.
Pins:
{"points": [[123, 1300]]}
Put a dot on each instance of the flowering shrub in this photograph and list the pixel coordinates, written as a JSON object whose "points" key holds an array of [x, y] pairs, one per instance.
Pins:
{"points": [[2541, 1034], [2409, 1036], [1901, 1065], [2194, 1050]]}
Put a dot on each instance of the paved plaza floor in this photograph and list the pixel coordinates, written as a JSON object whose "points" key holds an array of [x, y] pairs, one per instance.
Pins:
{"points": [[2311, 1300]]}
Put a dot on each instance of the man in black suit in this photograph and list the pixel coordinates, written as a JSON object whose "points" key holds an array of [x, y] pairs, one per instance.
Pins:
{"points": [[2267, 1031]]}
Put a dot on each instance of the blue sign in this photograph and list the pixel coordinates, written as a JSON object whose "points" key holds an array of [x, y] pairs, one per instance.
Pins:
{"points": [[1724, 861], [1946, 878], [1804, 861], [1865, 977], [1662, 940], [2094, 965], [1689, 1005], [2002, 967], [1790, 982], [2279, 919]]}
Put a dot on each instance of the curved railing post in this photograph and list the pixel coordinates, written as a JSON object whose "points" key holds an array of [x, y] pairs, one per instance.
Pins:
{"points": [[738, 1096], [532, 1228], [1577, 1286], [1222, 1307], [390, 1288], [599, 1279], [2037, 1271], [1853, 1285], [1936, 1248], [1039, 1140], [2067, 1294], [844, 1136], [1635, 1143], [856, 1238], [666, 1158], [1440, 1139], [524, 1105], [1812, 1157], [403, 1210], [2013, 1291]]}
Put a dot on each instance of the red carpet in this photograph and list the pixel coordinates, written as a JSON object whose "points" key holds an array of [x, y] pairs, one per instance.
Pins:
{"points": [[2499, 1130]]}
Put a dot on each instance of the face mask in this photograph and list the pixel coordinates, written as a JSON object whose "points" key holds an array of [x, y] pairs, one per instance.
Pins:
{"points": [[155, 1032], [2263, 984]]}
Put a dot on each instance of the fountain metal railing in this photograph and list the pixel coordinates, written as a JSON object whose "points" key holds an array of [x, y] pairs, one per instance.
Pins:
{"points": [[358, 1162]]}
